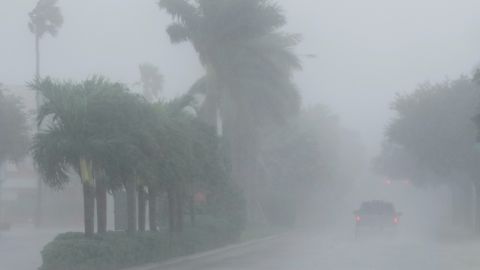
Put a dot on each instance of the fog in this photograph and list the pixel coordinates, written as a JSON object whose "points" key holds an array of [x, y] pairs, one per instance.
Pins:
{"points": [[352, 139], [366, 51]]}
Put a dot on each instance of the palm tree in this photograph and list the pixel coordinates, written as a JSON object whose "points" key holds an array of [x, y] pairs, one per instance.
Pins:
{"points": [[45, 18], [132, 146], [67, 144], [249, 66], [93, 132]]}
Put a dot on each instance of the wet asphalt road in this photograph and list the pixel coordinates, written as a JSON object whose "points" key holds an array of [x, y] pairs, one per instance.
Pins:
{"points": [[20, 250], [340, 251]]}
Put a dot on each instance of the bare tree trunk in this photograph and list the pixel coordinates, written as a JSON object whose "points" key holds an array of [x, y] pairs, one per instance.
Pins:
{"points": [[192, 209], [461, 204], [88, 209], [37, 57], [101, 192], [242, 136], [171, 209], [477, 206], [120, 210], [131, 207], [152, 208], [454, 204], [39, 204], [179, 210], [141, 208]]}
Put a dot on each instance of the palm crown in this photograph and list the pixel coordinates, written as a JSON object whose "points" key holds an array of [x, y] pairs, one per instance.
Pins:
{"points": [[45, 18], [248, 61]]}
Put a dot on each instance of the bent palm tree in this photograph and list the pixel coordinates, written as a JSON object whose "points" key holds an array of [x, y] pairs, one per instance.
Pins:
{"points": [[249, 66], [67, 142]]}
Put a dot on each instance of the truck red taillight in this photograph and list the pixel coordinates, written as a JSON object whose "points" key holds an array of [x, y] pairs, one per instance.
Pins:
{"points": [[396, 220]]}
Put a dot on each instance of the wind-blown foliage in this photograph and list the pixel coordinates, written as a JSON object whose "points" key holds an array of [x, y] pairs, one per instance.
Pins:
{"points": [[91, 127], [45, 18], [249, 65], [191, 158], [113, 139], [432, 141], [435, 127]]}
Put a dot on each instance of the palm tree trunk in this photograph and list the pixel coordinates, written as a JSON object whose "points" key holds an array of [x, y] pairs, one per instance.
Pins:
{"points": [[101, 193], [131, 207], [39, 203], [242, 137], [477, 206], [152, 208], [192, 209], [88, 209], [141, 208], [172, 220], [179, 210], [37, 57], [120, 210]]}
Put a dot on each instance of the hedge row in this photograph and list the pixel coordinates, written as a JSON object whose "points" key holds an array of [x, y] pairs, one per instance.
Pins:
{"points": [[117, 250]]}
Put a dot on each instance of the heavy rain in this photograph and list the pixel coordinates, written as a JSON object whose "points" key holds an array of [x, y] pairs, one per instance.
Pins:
{"points": [[239, 134]]}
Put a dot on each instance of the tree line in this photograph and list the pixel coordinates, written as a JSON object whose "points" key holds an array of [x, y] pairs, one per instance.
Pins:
{"points": [[433, 141], [248, 65], [111, 139], [229, 133]]}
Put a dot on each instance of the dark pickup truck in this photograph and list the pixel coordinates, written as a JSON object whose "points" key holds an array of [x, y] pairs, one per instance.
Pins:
{"points": [[376, 216]]}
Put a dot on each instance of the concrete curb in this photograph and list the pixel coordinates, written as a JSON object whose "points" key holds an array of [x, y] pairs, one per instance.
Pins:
{"points": [[189, 258]]}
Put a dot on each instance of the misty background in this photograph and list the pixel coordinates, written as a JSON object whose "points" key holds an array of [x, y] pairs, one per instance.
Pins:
{"points": [[356, 56], [366, 51]]}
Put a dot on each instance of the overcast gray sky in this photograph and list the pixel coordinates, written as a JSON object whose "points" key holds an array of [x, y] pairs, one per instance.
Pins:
{"points": [[367, 50]]}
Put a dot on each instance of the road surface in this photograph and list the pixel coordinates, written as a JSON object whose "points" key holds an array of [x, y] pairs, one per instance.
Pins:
{"points": [[20, 250], [337, 251], [20, 247]]}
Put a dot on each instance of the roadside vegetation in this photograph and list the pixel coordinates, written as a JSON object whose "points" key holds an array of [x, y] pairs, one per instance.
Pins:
{"points": [[433, 141], [196, 172]]}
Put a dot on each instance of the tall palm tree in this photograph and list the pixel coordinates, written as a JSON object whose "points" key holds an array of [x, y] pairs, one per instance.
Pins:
{"points": [[248, 64], [45, 18]]}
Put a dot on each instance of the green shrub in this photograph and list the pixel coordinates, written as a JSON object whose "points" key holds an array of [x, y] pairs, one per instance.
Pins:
{"points": [[116, 250]]}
